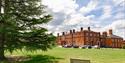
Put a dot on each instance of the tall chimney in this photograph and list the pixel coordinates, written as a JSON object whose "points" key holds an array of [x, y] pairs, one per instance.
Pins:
{"points": [[105, 33], [70, 31], [63, 33], [73, 30], [88, 28], [81, 28], [110, 31], [58, 34]]}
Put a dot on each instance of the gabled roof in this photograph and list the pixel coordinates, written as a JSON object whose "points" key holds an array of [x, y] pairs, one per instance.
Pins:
{"points": [[113, 36]]}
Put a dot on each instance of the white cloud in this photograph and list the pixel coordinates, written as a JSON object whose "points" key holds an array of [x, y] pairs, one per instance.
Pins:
{"points": [[60, 9], [78, 19], [119, 2], [118, 24], [66, 6], [107, 9], [120, 32], [91, 6], [65, 15], [119, 15]]}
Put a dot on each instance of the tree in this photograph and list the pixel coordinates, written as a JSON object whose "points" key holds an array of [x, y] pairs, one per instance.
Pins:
{"points": [[19, 20]]}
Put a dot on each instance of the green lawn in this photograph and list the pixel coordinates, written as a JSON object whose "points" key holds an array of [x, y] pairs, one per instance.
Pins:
{"points": [[63, 55]]}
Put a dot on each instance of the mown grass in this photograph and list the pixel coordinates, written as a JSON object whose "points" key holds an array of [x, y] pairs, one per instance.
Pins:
{"points": [[63, 55]]}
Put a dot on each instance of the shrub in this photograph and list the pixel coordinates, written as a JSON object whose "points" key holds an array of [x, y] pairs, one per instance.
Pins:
{"points": [[123, 46]]}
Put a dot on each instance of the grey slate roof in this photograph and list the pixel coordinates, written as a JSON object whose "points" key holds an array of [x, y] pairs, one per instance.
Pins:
{"points": [[113, 36]]}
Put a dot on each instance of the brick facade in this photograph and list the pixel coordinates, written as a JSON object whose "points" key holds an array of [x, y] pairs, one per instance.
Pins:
{"points": [[123, 44], [89, 37]]}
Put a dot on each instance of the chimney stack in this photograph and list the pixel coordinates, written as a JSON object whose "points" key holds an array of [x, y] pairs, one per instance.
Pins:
{"points": [[110, 31], [105, 33], [81, 28], [88, 28], [63, 33], [70, 31], [58, 34], [73, 30]]}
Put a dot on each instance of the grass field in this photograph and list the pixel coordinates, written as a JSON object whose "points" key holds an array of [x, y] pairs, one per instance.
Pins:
{"points": [[63, 55]]}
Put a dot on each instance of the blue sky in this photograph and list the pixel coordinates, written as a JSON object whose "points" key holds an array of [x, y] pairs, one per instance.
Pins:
{"points": [[100, 15]]}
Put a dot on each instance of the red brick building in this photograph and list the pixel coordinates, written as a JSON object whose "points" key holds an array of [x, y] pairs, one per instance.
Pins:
{"points": [[89, 37], [123, 44]]}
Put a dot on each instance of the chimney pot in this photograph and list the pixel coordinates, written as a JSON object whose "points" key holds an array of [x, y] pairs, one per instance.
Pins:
{"points": [[57, 34], [105, 33], [88, 28], [81, 28], [73, 30], [63, 33], [70, 31], [110, 31]]}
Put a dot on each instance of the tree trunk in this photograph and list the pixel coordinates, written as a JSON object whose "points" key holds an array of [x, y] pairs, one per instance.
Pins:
{"points": [[2, 40], [2, 57]]}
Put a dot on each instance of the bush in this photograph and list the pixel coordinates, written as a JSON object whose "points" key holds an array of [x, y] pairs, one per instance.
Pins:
{"points": [[123, 46], [83, 47]]}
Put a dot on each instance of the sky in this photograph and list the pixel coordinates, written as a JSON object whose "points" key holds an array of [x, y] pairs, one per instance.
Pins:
{"points": [[100, 15]]}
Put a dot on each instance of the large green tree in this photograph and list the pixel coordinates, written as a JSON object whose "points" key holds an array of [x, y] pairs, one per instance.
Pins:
{"points": [[19, 20]]}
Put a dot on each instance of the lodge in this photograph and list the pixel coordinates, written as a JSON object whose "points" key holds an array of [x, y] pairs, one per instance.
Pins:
{"points": [[89, 37]]}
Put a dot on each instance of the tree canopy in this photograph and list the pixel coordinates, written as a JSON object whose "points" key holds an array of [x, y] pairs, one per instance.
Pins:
{"points": [[19, 20]]}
